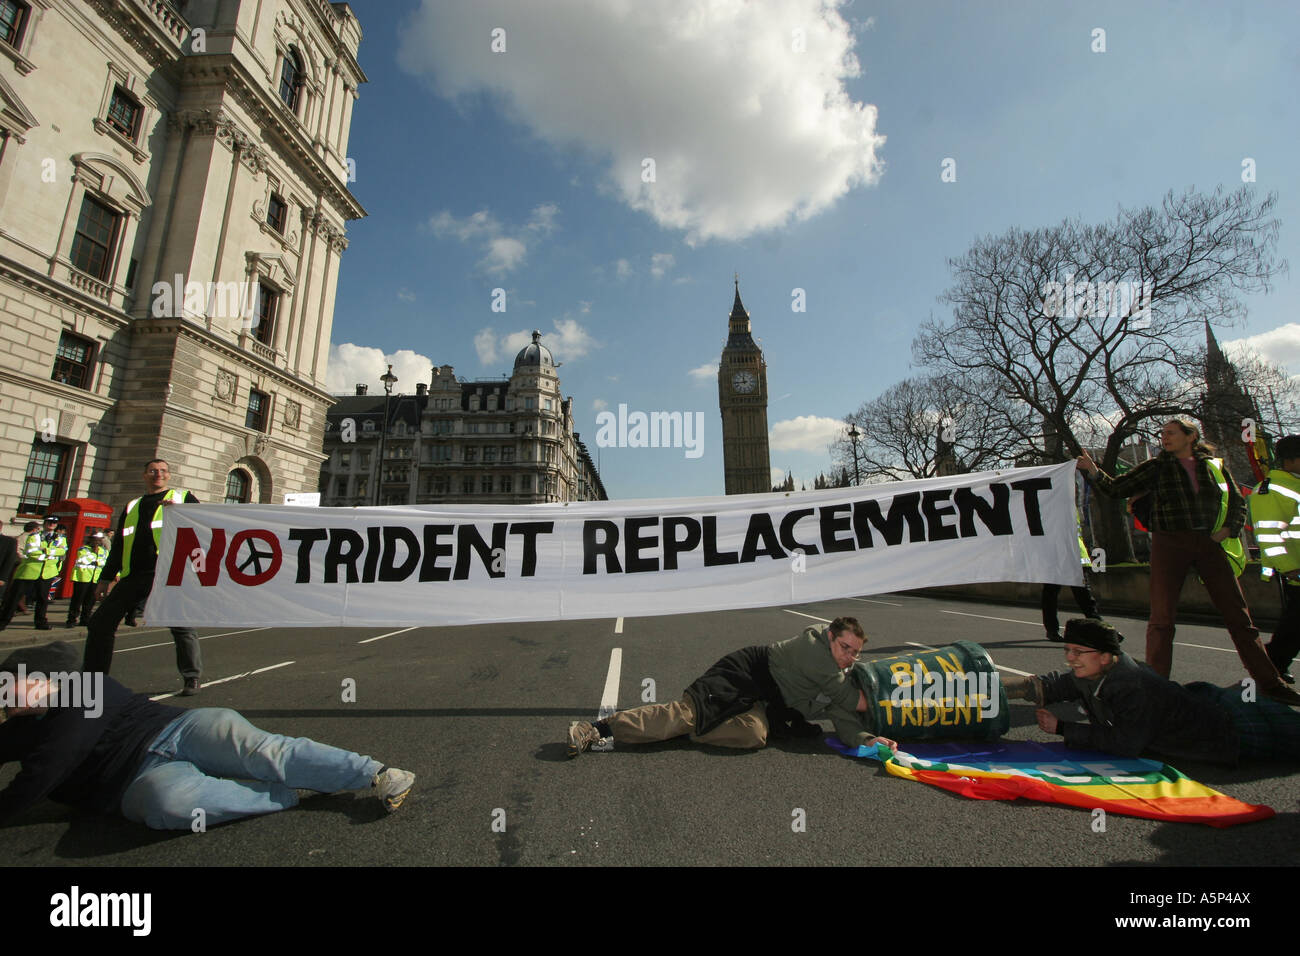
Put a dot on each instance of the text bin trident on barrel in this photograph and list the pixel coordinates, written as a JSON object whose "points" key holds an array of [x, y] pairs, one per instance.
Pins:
{"points": [[947, 693]]}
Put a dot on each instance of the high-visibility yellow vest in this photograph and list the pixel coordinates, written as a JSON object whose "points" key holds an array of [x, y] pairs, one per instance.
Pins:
{"points": [[83, 572], [1232, 545], [51, 558], [1275, 516], [101, 559], [174, 495], [32, 548]]}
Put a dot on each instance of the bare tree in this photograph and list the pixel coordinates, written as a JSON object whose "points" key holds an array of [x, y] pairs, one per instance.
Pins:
{"points": [[928, 426], [1076, 321]]}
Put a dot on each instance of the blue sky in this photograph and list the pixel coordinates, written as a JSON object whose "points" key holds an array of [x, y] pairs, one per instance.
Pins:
{"points": [[815, 168]]}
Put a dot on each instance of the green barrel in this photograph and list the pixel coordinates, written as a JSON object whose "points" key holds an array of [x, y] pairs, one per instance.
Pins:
{"points": [[953, 691]]}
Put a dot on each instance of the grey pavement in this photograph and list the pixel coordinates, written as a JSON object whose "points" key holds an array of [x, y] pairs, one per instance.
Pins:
{"points": [[479, 714]]}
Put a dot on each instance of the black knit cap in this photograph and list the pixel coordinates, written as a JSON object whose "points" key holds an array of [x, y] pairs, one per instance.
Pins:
{"points": [[60, 656], [1094, 633]]}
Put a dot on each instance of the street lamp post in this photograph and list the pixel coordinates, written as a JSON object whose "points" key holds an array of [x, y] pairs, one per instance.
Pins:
{"points": [[389, 380], [854, 435]]}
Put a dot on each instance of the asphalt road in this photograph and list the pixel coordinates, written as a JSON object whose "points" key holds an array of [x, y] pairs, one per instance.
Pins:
{"points": [[479, 714]]}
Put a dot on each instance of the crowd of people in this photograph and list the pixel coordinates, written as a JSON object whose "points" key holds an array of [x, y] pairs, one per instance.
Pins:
{"points": [[157, 764]]}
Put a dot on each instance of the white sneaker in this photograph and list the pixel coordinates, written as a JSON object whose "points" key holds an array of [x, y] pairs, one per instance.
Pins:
{"points": [[393, 785]]}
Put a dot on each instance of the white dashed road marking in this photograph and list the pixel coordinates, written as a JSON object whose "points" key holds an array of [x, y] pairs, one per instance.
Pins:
{"points": [[223, 680], [1009, 670], [389, 634], [1009, 620], [609, 697], [145, 647]]}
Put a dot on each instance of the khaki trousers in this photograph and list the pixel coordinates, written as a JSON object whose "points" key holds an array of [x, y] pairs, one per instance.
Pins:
{"points": [[653, 722]]}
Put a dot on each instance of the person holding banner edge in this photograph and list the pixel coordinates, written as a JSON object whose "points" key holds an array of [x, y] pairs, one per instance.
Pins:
{"points": [[134, 554], [1195, 509], [753, 692]]}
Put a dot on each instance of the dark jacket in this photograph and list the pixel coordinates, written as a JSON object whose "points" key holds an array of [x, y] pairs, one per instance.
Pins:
{"points": [[732, 686], [1132, 709], [8, 558], [144, 552], [74, 757], [1176, 507], [797, 678]]}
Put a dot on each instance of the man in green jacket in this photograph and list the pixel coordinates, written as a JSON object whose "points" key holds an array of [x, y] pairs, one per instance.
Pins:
{"points": [[751, 693]]}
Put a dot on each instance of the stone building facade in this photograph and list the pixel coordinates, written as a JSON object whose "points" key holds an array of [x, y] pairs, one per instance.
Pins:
{"points": [[501, 441], [173, 203]]}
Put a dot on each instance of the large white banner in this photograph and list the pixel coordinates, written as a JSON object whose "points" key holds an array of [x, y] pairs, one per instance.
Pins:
{"points": [[432, 565]]}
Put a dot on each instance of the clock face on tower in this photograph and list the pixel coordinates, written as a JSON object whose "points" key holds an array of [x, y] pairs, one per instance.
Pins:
{"points": [[744, 382]]}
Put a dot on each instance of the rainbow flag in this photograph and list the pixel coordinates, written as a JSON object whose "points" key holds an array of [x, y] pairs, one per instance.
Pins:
{"points": [[1052, 773]]}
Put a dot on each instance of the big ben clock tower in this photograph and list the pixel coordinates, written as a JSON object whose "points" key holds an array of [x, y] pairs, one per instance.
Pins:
{"points": [[742, 398]]}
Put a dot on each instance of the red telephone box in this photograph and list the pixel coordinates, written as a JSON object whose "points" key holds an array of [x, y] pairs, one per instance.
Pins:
{"points": [[82, 517]]}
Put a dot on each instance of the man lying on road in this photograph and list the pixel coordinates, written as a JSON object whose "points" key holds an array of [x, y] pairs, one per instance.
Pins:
{"points": [[773, 688], [106, 748], [1132, 709]]}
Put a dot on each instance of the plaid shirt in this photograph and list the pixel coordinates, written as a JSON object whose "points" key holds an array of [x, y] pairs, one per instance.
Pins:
{"points": [[1175, 507]]}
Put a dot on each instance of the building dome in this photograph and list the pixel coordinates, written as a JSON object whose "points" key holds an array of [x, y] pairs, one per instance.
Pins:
{"points": [[535, 355]]}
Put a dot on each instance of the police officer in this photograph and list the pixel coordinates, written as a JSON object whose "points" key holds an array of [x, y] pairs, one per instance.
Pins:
{"points": [[91, 557], [31, 555], [1275, 516], [134, 555], [42, 553]]}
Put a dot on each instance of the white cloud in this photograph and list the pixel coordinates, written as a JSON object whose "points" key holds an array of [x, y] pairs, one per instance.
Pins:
{"points": [[351, 365], [660, 263], [704, 373], [623, 268], [485, 344], [810, 433], [405, 295], [1280, 345], [473, 227], [676, 78], [504, 247], [504, 253], [568, 341], [599, 405], [571, 340]]}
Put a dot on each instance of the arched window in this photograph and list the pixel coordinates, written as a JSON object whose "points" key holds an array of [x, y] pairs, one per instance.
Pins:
{"points": [[238, 487], [292, 77]]}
